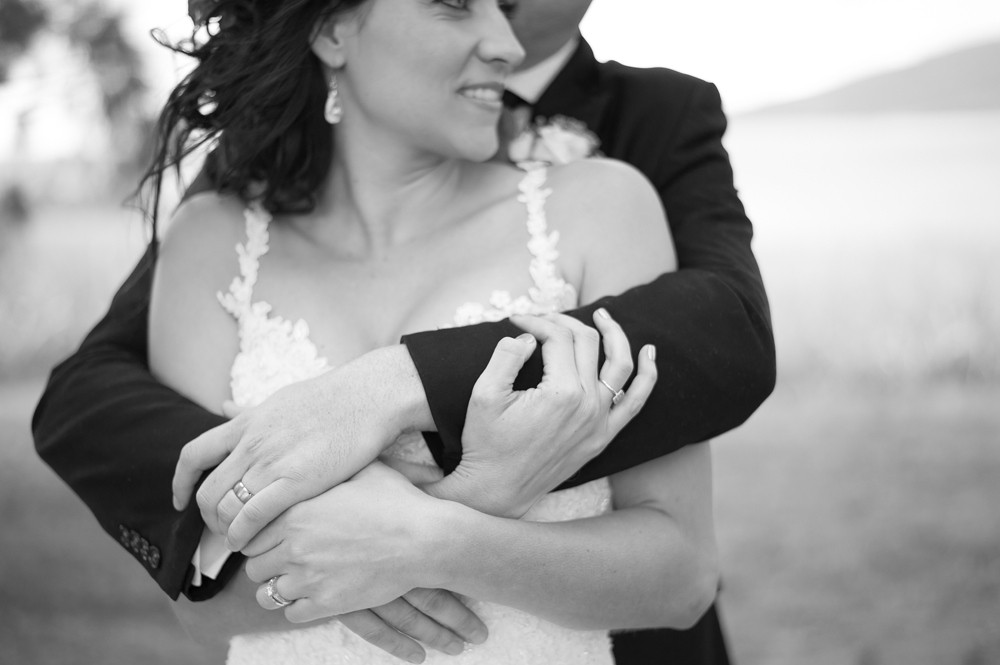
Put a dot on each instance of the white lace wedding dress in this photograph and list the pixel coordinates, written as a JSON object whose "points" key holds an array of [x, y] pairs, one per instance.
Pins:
{"points": [[274, 352]]}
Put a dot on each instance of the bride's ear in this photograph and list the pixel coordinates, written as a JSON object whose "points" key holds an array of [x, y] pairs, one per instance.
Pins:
{"points": [[329, 39]]}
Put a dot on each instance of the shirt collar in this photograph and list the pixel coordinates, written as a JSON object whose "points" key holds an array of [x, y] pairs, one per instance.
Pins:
{"points": [[531, 83]]}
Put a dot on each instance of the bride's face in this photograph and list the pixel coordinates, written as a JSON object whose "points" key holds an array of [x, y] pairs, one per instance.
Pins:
{"points": [[429, 71]]}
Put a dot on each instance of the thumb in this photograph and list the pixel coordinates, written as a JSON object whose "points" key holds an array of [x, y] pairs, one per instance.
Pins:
{"points": [[508, 359], [230, 409]]}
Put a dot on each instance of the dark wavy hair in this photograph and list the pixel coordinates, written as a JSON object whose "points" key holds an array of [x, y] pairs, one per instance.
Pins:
{"points": [[256, 97]]}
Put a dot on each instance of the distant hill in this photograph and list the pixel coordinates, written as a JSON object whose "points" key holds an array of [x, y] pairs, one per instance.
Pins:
{"points": [[964, 80]]}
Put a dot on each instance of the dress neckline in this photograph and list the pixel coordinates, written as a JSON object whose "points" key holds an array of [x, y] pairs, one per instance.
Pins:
{"points": [[261, 332]]}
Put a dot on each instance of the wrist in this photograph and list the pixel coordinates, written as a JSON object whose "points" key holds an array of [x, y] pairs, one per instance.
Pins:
{"points": [[450, 546], [393, 392], [479, 491]]}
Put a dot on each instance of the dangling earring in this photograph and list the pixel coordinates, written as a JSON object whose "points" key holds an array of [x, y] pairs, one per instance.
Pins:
{"points": [[334, 112]]}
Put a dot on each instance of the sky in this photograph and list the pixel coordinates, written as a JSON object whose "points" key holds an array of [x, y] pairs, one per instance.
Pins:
{"points": [[758, 52], [764, 51]]}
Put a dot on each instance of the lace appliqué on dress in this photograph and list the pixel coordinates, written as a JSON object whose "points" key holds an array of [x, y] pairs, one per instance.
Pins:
{"points": [[274, 352]]}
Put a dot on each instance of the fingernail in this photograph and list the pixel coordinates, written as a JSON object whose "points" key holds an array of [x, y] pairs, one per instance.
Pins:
{"points": [[177, 504], [651, 352], [527, 338], [603, 313], [454, 648], [415, 658], [478, 636]]}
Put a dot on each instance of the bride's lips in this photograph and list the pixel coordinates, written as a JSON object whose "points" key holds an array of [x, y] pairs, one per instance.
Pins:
{"points": [[486, 95]]}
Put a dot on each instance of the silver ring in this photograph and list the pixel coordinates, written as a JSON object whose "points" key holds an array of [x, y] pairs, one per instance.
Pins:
{"points": [[242, 493], [617, 395], [273, 594]]}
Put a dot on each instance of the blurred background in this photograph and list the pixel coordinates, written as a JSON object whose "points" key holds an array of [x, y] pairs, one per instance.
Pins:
{"points": [[857, 510]]}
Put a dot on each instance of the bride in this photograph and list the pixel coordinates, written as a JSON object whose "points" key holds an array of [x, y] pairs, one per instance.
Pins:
{"points": [[396, 220]]}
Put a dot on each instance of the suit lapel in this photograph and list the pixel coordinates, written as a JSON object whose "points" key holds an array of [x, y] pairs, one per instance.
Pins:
{"points": [[576, 91]]}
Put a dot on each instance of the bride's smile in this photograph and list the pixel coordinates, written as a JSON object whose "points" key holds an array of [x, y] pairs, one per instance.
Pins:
{"points": [[425, 75]]}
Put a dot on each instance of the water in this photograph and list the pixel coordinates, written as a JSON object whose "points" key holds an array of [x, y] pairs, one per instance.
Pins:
{"points": [[877, 237]]}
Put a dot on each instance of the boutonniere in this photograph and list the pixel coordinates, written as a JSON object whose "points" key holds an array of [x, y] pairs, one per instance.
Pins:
{"points": [[558, 140]]}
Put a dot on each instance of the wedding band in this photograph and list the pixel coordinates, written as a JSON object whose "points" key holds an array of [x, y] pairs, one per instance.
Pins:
{"points": [[616, 394], [273, 594], [242, 493]]}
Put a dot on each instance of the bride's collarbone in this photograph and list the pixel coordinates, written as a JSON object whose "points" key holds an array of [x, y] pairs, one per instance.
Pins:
{"points": [[353, 306]]}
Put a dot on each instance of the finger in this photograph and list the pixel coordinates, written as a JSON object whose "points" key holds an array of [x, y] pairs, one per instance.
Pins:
{"points": [[507, 360], [586, 345], [269, 537], [228, 509], [221, 480], [558, 359], [407, 619], [200, 455], [637, 393], [369, 627], [618, 364], [230, 409], [259, 511], [263, 567], [281, 590], [450, 612]]}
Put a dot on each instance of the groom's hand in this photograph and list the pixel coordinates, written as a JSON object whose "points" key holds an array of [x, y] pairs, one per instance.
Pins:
{"points": [[300, 442], [433, 617]]}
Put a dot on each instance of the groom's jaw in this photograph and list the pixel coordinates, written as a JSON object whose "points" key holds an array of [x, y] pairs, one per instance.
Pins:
{"points": [[545, 26]]}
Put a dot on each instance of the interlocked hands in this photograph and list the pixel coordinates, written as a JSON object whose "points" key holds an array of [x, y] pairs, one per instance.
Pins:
{"points": [[305, 454]]}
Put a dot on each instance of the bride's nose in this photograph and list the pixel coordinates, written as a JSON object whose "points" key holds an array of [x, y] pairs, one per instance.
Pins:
{"points": [[497, 42]]}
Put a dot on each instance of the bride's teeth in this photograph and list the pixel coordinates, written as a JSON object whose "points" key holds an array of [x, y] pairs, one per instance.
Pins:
{"points": [[487, 94]]}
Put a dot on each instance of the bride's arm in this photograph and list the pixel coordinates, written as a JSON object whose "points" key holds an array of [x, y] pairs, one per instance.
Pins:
{"points": [[650, 563]]}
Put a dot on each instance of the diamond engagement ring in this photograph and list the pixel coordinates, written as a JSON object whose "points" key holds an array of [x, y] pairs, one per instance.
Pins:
{"points": [[616, 394], [242, 493], [273, 594]]}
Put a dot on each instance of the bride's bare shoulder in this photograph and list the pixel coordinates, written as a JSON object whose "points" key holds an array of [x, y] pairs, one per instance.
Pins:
{"points": [[611, 223], [191, 336], [203, 220], [605, 192], [600, 197], [199, 238]]}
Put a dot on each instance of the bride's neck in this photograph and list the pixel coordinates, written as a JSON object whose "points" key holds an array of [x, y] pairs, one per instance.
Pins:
{"points": [[382, 192]]}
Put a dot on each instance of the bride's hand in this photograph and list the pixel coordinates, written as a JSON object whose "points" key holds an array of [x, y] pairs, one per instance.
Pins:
{"points": [[362, 544], [520, 445]]}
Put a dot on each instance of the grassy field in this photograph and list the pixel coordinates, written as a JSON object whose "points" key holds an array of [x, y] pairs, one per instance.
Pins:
{"points": [[857, 526]]}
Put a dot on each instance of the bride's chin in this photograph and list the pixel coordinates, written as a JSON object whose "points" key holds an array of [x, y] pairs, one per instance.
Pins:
{"points": [[481, 150]]}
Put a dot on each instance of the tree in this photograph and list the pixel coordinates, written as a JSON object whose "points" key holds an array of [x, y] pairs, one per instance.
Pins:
{"points": [[20, 20]]}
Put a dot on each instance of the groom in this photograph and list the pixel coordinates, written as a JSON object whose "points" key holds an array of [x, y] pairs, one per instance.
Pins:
{"points": [[114, 434]]}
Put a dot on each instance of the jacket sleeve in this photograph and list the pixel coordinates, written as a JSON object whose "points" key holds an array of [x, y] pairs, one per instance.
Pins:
{"points": [[709, 320], [114, 434]]}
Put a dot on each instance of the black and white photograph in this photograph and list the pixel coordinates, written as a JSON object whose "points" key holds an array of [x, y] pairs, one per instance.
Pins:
{"points": [[499, 332]]}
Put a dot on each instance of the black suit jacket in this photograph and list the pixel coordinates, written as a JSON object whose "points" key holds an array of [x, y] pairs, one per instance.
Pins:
{"points": [[114, 434]]}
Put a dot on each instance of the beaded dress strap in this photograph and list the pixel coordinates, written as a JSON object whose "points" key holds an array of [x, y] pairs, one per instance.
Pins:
{"points": [[542, 244], [239, 299]]}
